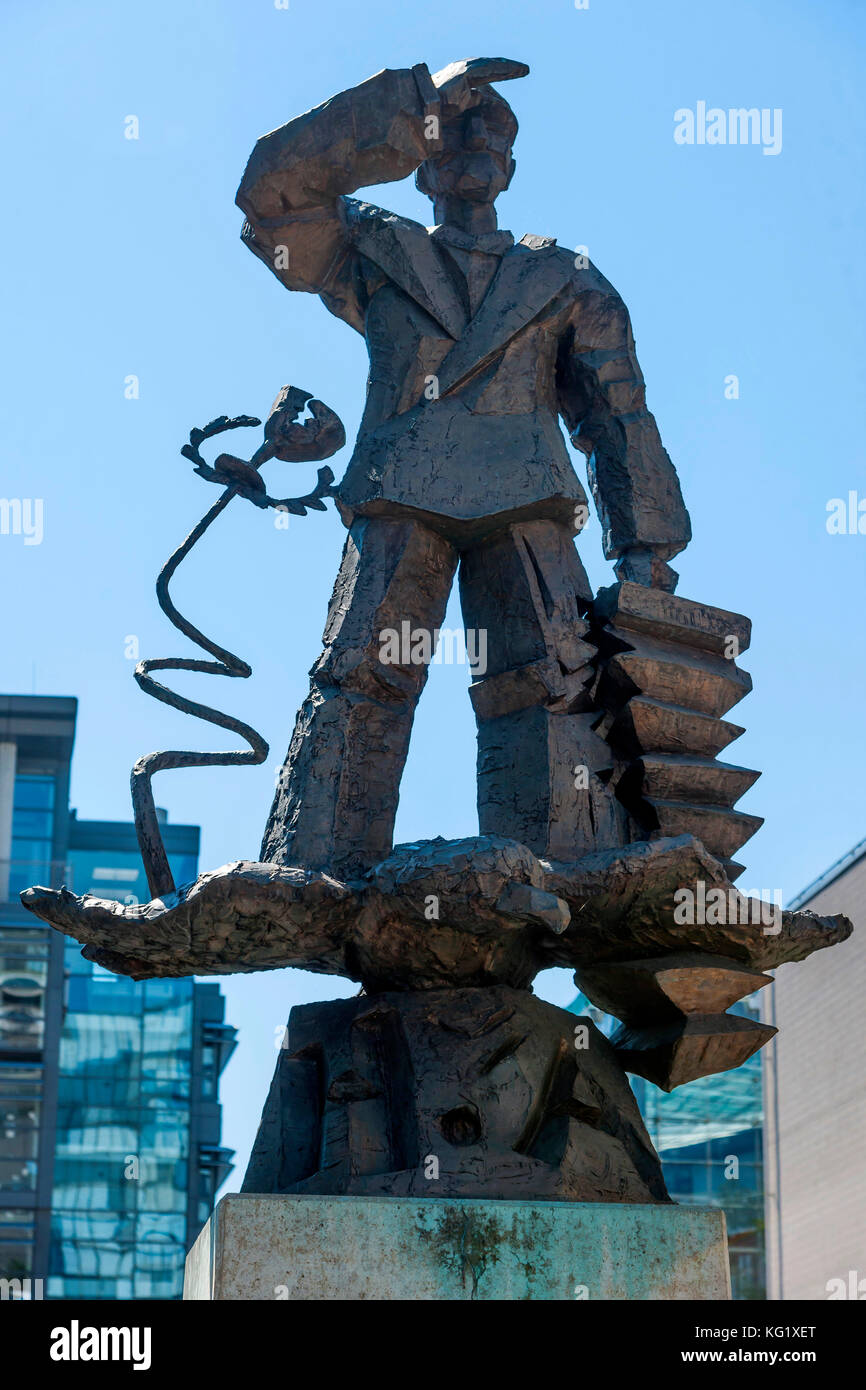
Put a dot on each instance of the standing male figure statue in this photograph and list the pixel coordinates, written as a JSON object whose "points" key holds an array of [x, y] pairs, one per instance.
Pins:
{"points": [[599, 722], [477, 346]]}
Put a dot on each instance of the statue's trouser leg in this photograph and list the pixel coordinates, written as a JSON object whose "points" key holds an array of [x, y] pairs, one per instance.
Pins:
{"points": [[337, 797], [542, 770]]}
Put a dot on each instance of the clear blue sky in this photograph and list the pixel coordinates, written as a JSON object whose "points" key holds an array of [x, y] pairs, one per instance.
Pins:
{"points": [[122, 257]]}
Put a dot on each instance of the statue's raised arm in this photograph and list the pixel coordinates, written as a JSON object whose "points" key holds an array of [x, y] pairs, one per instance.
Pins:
{"points": [[295, 184]]}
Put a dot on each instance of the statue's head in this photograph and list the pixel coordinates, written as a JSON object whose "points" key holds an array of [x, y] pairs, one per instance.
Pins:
{"points": [[476, 163]]}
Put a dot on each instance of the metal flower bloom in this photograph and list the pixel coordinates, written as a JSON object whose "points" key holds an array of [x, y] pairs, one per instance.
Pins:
{"points": [[319, 437]]}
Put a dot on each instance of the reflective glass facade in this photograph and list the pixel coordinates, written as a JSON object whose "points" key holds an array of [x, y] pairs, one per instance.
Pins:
{"points": [[110, 1123], [36, 736], [24, 967], [119, 1209], [130, 1145], [20, 1117], [708, 1135], [32, 832]]}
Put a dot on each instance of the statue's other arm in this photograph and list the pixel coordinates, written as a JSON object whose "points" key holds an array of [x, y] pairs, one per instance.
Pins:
{"points": [[603, 403], [294, 185]]}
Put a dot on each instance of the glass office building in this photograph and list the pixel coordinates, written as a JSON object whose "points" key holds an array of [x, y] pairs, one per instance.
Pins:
{"points": [[137, 1153], [36, 737], [110, 1153], [708, 1135]]}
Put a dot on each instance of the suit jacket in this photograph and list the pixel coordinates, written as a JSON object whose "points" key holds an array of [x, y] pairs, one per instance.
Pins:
{"points": [[461, 422]]}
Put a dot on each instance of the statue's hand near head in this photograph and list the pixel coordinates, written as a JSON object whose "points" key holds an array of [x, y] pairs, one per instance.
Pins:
{"points": [[475, 163], [459, 82]]}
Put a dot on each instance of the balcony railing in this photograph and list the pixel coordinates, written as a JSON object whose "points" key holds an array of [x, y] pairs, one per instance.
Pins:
{"points": [[18, 874]]}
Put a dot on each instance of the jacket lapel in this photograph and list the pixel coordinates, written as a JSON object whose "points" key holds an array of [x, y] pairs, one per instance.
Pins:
{"points": [[404, 251], [530, 275], [528, 278]]}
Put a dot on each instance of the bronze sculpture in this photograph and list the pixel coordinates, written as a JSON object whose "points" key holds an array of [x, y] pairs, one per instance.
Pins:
{"points": [[600, 718], [476, 345]]}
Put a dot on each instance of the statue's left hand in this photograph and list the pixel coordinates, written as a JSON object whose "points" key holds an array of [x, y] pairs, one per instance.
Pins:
{"points": [[641, 565]]}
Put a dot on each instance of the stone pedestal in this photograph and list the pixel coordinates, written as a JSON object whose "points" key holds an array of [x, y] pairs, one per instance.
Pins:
{"points": [[258, 1247]]}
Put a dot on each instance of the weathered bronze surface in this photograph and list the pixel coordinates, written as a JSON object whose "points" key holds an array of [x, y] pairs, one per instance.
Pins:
{"points": [[602, 803], [533, 1103]]}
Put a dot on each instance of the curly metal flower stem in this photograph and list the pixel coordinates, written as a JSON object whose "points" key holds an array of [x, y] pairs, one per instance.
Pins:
{"points": [[159, 876]]}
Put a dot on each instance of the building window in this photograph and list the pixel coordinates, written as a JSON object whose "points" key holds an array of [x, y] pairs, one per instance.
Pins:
{"points": [[23, 977], [17, 1236], [20, 1101], [209, 1072], [32, 831]]}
